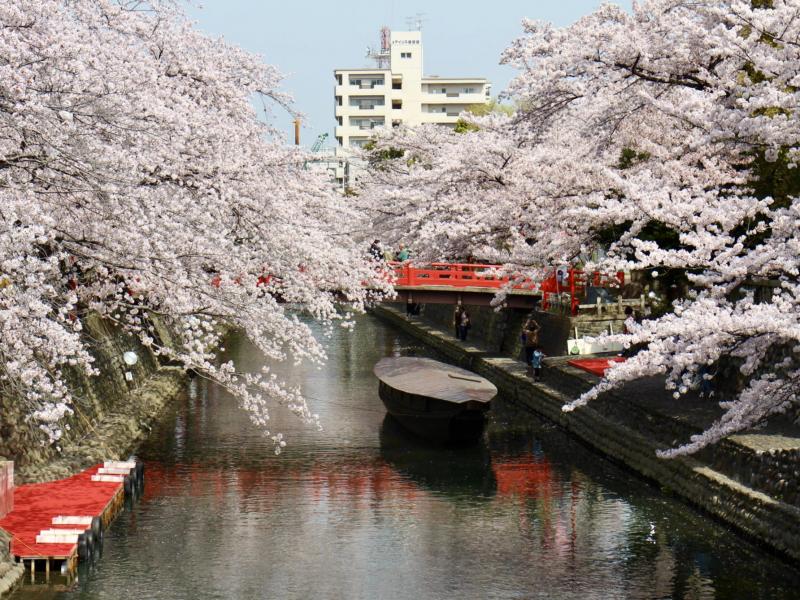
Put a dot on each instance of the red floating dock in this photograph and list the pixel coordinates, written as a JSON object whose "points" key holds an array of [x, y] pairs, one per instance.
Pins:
{"points": [[595, 366], [35, 506]]}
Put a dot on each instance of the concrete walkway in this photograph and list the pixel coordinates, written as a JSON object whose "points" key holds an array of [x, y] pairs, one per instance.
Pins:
{"points": [[749, 481]]}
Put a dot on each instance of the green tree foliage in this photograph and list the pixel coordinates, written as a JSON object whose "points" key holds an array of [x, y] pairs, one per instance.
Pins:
{"points": [[481, 110]]}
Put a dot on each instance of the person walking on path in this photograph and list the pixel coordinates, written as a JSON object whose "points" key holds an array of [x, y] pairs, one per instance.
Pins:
{"points": [[530, 334], [412, 308], [537, 359], [463, 325], [457, 320]]}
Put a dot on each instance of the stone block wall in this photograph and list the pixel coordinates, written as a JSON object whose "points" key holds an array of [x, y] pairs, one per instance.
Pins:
{"points": [[95, 398], [499, 331]]}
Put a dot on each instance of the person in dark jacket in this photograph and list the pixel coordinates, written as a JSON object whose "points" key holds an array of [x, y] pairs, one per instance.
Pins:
{"points": [[375, 250], [530, 332], [464, 325], [457, 320]]}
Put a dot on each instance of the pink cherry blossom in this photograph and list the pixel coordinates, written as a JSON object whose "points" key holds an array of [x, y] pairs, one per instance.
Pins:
{"points": [[134, 171], [625, 122]]}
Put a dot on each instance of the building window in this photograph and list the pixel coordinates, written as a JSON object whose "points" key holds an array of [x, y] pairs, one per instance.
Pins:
{"points": [[368, 103], [338, 100], [339, 120], [366, 83], [397, 85], [369, 123], [405, 55], [397, 104], [469, 90], [339, 79]]}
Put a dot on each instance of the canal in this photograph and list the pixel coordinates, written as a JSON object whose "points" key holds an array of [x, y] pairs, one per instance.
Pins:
{"points": [[361, 510]]}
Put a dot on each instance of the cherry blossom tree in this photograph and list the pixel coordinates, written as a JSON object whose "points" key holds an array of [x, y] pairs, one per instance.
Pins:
{"points": [[137, 179], [668, 137]]}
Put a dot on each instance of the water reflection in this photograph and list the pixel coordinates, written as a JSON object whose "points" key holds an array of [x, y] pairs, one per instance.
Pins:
{"points": [[458, 473], [363, 510]]}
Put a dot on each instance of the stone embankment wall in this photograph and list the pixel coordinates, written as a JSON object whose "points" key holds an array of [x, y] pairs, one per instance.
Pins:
{"points": [[10, 572], [749, 482], [111, 415], [499, 331]]}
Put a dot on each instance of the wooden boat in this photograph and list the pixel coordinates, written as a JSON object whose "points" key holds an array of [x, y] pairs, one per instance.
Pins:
{"points": [[433, 399]]}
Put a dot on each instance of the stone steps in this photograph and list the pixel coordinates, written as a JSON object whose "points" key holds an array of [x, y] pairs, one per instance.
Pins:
{"points": [[10, 575]]}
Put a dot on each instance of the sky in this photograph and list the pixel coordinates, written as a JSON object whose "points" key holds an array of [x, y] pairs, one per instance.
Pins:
{"points": [[308, 39]]}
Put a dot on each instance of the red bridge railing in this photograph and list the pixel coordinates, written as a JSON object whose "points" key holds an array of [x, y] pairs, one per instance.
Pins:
{"points": [[571, 282], [449, 274]]}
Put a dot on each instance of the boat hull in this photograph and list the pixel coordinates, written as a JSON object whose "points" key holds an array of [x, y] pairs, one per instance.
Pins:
{"points": [[435, 419]]}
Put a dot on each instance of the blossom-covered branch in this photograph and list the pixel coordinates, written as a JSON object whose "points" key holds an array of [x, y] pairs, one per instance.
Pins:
{"points": [[136, 178], [668, 138]]}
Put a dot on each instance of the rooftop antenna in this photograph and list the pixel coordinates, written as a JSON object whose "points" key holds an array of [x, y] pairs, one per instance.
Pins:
{"points": [[416, 21], [383, 55]]}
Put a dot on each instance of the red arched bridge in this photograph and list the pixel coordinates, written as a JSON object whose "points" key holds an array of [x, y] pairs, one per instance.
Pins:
{"points": [[476, 284]]}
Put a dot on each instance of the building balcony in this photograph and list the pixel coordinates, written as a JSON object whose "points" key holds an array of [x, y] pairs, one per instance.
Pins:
{"points": [[450, 110], [368, 127], [368, 110], [364, 89], [358, 130], [440, 117], [454, 98]]}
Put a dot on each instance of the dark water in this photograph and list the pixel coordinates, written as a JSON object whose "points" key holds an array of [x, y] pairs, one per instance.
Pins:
{"points": [[361, 510]]}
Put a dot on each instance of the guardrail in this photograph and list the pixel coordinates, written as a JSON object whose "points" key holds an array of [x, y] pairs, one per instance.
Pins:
{"points": [[570, 285], [455, 275]]}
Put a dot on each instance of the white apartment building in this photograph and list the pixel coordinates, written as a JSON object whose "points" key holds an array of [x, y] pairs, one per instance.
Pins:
{"points": [[398, 92]]}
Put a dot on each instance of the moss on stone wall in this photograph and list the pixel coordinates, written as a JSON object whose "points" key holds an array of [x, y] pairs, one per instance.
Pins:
{"points": [[109, 410]]}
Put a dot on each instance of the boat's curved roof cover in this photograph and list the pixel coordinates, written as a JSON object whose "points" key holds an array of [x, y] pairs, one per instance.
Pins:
{"points": [[434, 379]]}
